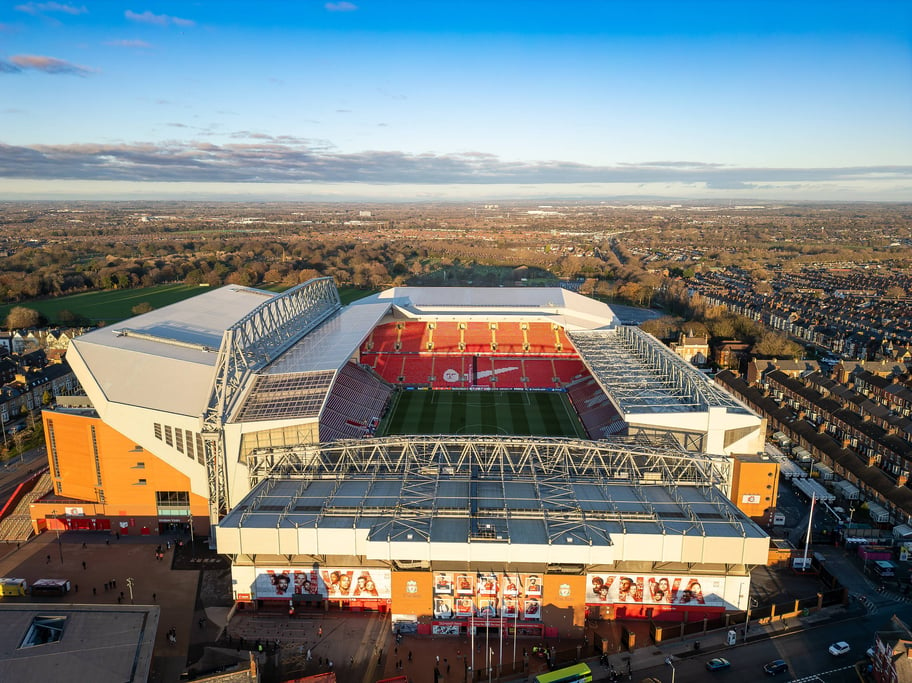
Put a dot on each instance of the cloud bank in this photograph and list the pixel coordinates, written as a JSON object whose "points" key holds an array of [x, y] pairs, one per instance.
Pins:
{"points": [[49, 65], [288, 160]]}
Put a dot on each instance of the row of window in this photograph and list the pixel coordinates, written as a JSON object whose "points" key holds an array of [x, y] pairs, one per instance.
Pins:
{"points": [[183, 440]]}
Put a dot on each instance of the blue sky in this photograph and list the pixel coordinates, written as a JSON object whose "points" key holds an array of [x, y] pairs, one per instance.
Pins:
{"points": [[371, 99]]}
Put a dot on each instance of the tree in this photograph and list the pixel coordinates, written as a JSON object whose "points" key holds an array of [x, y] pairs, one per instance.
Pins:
{"points": [[47, 397], [21, 317], [140, 308]]}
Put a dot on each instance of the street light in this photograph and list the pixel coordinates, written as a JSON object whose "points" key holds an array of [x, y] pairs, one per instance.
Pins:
{"points": [[671, 664]]}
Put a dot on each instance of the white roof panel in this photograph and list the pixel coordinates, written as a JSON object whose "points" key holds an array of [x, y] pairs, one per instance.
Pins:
{"points": [[330, 345], [167, 359]]}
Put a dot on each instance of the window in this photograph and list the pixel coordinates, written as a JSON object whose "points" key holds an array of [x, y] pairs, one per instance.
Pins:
{"points": [[141, 482], [157, 428], [169, 437], [172, 498], [43, 630], [140, 465], [179, 439], [189, 439]]}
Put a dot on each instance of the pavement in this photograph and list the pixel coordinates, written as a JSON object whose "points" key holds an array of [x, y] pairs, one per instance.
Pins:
{"points": [[191, 587], [101, 569]]}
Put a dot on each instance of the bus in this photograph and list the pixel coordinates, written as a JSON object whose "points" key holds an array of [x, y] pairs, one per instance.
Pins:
{"points": [[578, 673], [50, 587]]}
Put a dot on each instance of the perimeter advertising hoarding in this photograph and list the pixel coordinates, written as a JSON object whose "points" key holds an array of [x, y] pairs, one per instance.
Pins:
{"points": [[655, 589], [334, 583], [458, 595]]}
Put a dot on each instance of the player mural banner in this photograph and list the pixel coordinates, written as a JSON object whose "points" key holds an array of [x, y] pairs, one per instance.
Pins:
{"points": [[332, 583], [655, 589], [487, 595]]}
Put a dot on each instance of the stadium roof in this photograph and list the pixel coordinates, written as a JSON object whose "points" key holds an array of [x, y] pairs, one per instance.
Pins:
{"points": [[559, 305], [570, 496], [165, 359], [641, 375]]}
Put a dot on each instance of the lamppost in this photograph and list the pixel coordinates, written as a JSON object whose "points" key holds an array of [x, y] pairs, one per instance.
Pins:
{"points": [[57, 529], [190, 524], [671, 664]]}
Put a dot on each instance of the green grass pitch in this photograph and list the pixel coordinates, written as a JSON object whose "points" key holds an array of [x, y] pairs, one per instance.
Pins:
{"points": [[513, 413]]}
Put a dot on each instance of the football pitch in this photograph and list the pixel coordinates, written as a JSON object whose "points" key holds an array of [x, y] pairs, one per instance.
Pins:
{"points": [[512, 413]]}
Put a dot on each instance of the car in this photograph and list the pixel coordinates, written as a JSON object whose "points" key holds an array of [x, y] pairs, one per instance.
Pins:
{"points": [[717, 664], [839, 649], [870, 652], [775, 667]]}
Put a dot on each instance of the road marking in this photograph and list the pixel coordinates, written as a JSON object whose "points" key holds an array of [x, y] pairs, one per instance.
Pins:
{"points": [[816, 677]]}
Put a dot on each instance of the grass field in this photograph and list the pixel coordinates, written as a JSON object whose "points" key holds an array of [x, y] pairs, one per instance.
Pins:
{"points": [[108, 306], [111, 306], [514, 413]]}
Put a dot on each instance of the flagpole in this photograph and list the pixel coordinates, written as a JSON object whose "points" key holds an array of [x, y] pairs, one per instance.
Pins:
{"points": [[472, 629]]}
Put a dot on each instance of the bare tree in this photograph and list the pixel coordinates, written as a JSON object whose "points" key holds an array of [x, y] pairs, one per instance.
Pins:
{"points": [[21, 317]]}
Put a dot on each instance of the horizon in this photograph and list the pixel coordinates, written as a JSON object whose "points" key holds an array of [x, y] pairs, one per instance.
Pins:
{"points": [[361, 101]]}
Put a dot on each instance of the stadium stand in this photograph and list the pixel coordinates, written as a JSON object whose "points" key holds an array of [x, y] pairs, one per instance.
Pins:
{"points": [[509, 337], [567, 370], [357, 397], [539, 373], [509, 373], [477, 337], [417, 369], [451, 372], [412, 337], [446, 337], [595, 410], [383, 339]]}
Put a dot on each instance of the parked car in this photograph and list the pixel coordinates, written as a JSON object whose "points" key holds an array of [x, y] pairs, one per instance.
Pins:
{"points": [[718, 663], [839, 649], [775, 667]]}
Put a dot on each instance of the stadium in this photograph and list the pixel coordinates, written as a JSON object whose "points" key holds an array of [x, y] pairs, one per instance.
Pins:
{"points": [[442, 454]]}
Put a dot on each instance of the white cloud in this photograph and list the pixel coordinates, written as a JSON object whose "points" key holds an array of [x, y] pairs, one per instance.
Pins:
{"points": [[148, 17], [38, 8], [340, 6]]}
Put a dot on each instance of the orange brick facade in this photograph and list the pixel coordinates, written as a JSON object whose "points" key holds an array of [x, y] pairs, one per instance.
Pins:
{"points": [[102, 480], [755, 487]]}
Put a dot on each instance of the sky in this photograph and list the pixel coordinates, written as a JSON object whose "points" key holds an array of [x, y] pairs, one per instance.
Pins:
{"points": [[386, 100]]}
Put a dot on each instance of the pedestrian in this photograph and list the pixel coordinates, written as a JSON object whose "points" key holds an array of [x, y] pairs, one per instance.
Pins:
{"points": [[153, 597], [113, 583], [308, 654], [117, 535], [319, 630], [83, 545], [410, 655], [83, 565], [48, 559], [107, 541], [351, 661], [75, 587], [438, 659], [121, 595], [94, 592], [330, 665]]}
